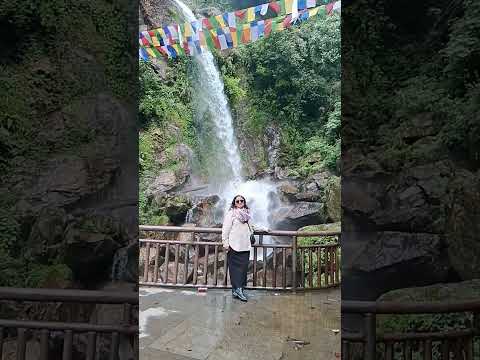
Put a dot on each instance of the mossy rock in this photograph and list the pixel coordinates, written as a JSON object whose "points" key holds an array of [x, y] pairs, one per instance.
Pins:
{"points": [[333, 199], [466, 290]]}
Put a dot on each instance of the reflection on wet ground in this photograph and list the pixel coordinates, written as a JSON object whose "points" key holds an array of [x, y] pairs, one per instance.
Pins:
{"points": [[185, 325]]}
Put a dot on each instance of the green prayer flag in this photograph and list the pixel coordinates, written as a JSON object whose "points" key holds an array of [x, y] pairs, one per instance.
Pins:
{"points": [[282, 7], [322, 12], [214, 22], [209, 40]]}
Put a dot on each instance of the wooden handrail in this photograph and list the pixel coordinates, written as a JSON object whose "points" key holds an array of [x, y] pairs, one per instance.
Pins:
{"points": [[194, 229], [68, 295], [394, 307]]}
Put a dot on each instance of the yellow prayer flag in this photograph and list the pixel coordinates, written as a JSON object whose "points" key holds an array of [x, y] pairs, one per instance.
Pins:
{"points": [[188, 30], [177, 48], [314, 11], [150, 52], [219, 18], [288, 6], [250, 14], [155, 41]]}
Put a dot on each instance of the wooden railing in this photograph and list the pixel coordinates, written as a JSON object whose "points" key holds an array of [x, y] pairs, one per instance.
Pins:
{"points": [[457, 343], [19, 331], [192, 263]]}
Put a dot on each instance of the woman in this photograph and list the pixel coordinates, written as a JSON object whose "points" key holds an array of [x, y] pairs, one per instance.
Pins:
{"points": [[236, 232]]}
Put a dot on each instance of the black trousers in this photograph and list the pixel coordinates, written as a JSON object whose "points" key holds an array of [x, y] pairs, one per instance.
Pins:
{"points": [[238, 267]]}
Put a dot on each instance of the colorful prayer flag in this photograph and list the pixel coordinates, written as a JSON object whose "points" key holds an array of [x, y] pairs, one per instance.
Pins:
{"points": [[143, 53], [261, 28], [206, 24], [268, 27], [288, 6], [337, 6], [275, 7], [329, 8], [251, 14], [246, 34], [220, 21], [263, 9]]}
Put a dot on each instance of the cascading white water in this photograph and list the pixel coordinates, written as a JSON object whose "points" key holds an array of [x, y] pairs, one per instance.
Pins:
{"points": [[211, 98]]}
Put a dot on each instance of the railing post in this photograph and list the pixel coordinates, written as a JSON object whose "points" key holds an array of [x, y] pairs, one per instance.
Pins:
{"points": [[294, 264], [370, 336]]}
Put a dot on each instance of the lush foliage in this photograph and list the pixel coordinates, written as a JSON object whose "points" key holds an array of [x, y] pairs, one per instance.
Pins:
{"points": [[293, 80], [438, 66], [165, 108], [56, 52]]}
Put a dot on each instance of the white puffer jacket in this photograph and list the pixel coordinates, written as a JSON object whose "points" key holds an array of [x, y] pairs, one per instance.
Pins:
{"points": [[236, 234]]}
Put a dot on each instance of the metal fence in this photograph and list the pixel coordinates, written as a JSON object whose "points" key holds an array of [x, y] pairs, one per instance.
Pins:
{"points": [[189, 262], [455, 342], [20, 332]]}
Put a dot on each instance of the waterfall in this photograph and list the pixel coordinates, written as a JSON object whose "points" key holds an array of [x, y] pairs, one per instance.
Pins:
{"points": [[227, 182]]}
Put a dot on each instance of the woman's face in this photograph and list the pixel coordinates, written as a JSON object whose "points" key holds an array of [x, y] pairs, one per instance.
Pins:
{"points": [[239, 202]]}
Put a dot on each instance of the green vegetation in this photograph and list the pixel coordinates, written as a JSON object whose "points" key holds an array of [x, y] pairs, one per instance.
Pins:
{"points": [[440, 81], [293, 79], [42, 76], [165, 108]]}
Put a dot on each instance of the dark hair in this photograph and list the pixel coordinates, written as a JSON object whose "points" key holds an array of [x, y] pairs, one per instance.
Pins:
{"points": [[244, 202]]}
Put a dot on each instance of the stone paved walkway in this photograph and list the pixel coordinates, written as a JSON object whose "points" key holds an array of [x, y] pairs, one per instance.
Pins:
{"points": [[185, 325]]}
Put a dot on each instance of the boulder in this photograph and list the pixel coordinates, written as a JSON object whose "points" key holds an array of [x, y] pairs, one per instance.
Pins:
{"points": [[457, 291], [378, 261], [176, 208], [165, 181], [46, 236], [444, 292], [91, 242], [299, 215], [417, 201], [309, 196], [463, 225], [333, 199], [288, 190], [205, 212]]}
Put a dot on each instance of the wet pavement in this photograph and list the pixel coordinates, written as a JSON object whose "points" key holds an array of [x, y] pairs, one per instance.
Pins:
{"points": [[184, 325]]}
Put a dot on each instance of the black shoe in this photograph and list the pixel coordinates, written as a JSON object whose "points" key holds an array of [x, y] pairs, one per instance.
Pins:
{"points": [[237, 293]]}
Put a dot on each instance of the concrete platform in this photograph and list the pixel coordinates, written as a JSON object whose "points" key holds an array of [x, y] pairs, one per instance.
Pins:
{"points": [[186, 325]]}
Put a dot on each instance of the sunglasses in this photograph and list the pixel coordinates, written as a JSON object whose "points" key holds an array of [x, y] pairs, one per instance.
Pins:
{"points": [[239, 201]]}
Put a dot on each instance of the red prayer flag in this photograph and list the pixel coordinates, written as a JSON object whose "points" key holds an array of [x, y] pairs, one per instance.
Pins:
{"points": [[206, 24], [287, 21], [240, 13], [145, 41], [329, 8], [274, 6], [185, 47], [215, 40], [268, 27]]}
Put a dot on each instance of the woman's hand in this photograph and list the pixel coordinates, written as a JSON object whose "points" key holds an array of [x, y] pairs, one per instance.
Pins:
{"points": [[226, 248]]}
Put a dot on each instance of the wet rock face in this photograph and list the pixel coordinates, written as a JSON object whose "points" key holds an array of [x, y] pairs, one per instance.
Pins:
{"points": [[205, 212], [463, 225], [90, 244], [299, 215], [420, 220]]}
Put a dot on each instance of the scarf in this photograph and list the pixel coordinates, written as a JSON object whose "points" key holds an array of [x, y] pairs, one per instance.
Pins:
{"points": [[243, 215]]}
